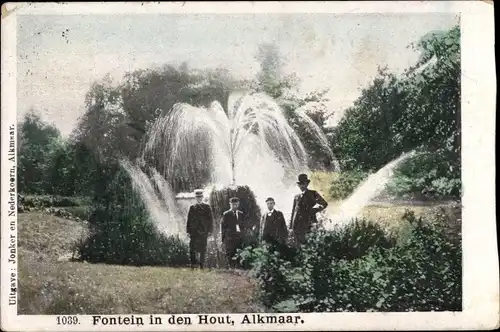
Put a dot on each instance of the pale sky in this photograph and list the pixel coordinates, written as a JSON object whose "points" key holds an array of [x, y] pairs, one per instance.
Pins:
{"points": [[339, 52]]}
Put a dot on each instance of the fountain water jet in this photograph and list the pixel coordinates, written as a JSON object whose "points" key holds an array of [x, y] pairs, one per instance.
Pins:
{"points": [[365, 192], [252, 145], [157, 196]]}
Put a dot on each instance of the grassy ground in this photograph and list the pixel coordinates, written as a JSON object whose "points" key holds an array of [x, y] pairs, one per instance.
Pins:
{"points": [[49, 286], [390, 213]]}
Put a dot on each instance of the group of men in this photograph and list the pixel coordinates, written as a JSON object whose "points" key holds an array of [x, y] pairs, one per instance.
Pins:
{"points": [[272, 228]]}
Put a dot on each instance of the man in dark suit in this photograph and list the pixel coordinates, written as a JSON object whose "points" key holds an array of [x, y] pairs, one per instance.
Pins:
{"points": [[232, 227], [273, 226], [199, 227], [305, 206]]}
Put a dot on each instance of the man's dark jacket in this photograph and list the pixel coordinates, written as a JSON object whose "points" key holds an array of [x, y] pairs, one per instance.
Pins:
{"points": [[304, 212], [274, 227], [200, 222], [229, 222]]}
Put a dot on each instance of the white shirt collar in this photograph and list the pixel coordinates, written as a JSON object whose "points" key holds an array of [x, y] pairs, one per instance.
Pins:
{"points": [[270, 212]]}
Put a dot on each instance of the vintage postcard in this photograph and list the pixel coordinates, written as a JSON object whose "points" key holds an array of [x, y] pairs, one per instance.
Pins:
{"points": [[249, 166]]}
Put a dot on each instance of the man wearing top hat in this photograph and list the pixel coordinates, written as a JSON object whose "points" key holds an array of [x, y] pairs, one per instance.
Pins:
{"points": [[232, 227], [305, 206], [199, 227], [273, 226]]}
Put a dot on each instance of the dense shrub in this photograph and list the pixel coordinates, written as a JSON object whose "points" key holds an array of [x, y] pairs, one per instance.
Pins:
{"points": [[219, 201], [277, 272], [271, 270], [349, 241], [427, 176], [122, 232], [418, 274], [44, 201], [343, 185], [81, 212]]}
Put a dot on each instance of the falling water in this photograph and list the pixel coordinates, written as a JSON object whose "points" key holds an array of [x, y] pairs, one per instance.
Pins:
{"points": [[253, 144], [158, 198], [365, 192]]}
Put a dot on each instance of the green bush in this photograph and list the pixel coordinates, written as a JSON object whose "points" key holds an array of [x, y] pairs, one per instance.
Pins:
{"points": [[427, 175], [43, 201], [271, 269], [344, 185], [139, 243], [122, 232], [421, 273], [219, 201], [349, 241]]}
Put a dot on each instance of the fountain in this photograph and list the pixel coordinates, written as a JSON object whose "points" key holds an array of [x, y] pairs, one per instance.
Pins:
{"points": [[251, 145], [365, 192], [249, 151]]}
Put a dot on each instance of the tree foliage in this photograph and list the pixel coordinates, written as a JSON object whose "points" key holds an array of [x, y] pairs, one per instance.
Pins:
{"points": [[50, 164], [36, 144], [272, 80], [417, 110]]}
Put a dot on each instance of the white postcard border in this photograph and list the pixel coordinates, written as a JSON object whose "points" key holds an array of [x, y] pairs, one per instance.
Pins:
{"points": [[480, 257]]}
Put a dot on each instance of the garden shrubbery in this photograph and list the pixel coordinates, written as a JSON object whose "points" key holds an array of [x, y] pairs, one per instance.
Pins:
{"points": [[360, 267], [43, 201], [122, 232], [427, 176]]}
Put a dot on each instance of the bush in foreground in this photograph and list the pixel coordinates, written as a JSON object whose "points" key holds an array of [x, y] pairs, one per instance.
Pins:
{"points": [[331, 273], [122, 232]]}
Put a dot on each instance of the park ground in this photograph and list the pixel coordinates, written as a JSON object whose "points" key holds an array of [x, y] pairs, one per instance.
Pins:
{"points": [[51, 284]]}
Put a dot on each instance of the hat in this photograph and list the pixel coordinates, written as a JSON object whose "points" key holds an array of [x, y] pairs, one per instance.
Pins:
{"points": [[198, 193], [234, 200], [269, 199], [303, 179]]}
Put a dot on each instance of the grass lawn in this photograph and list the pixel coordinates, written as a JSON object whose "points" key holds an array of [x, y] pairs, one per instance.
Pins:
{"points": [[389, 213], [49, 286]]}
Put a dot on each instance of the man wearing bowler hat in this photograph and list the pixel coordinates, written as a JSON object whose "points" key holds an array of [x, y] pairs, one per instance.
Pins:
{"points": [[273, 226], [199, 227], [305, 206], [232, 227]]}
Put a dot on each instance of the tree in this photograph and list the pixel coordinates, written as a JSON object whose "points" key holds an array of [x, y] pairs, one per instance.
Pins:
{"points": [[366, 135], [433, 85], [419, 110], [272, 80], [37, 142]]}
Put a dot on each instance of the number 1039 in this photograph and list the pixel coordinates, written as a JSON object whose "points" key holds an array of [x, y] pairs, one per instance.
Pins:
{"points": [[67, 320]]}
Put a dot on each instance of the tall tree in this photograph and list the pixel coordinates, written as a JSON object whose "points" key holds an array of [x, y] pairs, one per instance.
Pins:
{"points": [[37, 142], [418, 110], [119, 116]]}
